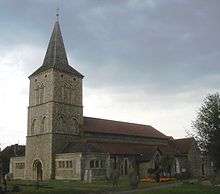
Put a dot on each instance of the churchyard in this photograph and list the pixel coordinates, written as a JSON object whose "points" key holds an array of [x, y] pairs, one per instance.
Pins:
{"points": [[79, 187]]}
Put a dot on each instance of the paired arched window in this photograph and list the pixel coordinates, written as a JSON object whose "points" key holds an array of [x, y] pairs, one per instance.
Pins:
{"points": [[42, 126], [61, 123]]}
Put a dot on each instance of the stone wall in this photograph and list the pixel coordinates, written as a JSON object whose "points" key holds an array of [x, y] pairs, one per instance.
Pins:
{"points": [[97, 163], [17, 167], [39, 147], [54, 118], [68, 166], [60, 140]]}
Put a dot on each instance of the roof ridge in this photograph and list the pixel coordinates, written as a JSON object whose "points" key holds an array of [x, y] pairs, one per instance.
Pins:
{"points": [[115, 142], [184, 138], [118, 121]]}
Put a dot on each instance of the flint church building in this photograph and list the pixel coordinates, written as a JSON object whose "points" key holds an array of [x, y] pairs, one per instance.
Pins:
{"points": [[63, 144]]}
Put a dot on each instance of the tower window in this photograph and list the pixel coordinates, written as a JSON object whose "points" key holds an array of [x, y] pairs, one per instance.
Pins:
{"points": [[33, 126], [43, 125], [45, 75], [75, 125]]}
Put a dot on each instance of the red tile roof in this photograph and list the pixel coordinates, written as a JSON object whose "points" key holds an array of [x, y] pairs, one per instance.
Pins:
{"points": [[146, 152], [96, 125]]}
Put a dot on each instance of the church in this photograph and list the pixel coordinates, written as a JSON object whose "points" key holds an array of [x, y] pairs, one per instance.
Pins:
{"points": [[61, 143]]}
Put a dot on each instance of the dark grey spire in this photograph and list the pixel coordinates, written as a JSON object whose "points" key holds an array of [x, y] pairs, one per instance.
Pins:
{"points": [[56, 54]]}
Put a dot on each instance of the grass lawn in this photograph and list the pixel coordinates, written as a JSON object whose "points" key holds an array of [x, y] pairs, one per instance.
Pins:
{"points": [[186, 189], [78, 187]]}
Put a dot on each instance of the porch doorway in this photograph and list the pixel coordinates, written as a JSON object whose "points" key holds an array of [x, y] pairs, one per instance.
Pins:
{"points": [[38, 170]]}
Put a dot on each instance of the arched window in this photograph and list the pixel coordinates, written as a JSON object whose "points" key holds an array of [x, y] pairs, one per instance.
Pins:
{"points": [[43, 125], [33, 126], [75, 125], [61, 124]]}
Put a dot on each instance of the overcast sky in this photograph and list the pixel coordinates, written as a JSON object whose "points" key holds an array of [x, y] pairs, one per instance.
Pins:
{"points": [[144, 61]]}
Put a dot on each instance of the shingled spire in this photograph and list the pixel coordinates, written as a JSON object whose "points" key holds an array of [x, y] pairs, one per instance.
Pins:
{"points": [[56, 54]]}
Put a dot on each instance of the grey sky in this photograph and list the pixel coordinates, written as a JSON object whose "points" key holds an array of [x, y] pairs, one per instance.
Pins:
{"points": [[146, 61]]}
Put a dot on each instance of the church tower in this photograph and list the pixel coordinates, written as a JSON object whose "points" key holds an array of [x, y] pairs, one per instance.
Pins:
{"points": [[55, 111]]}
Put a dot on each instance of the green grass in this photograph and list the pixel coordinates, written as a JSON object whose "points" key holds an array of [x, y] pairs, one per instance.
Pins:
{"points": [[64, 187], [185, 189], [78, 187]]}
